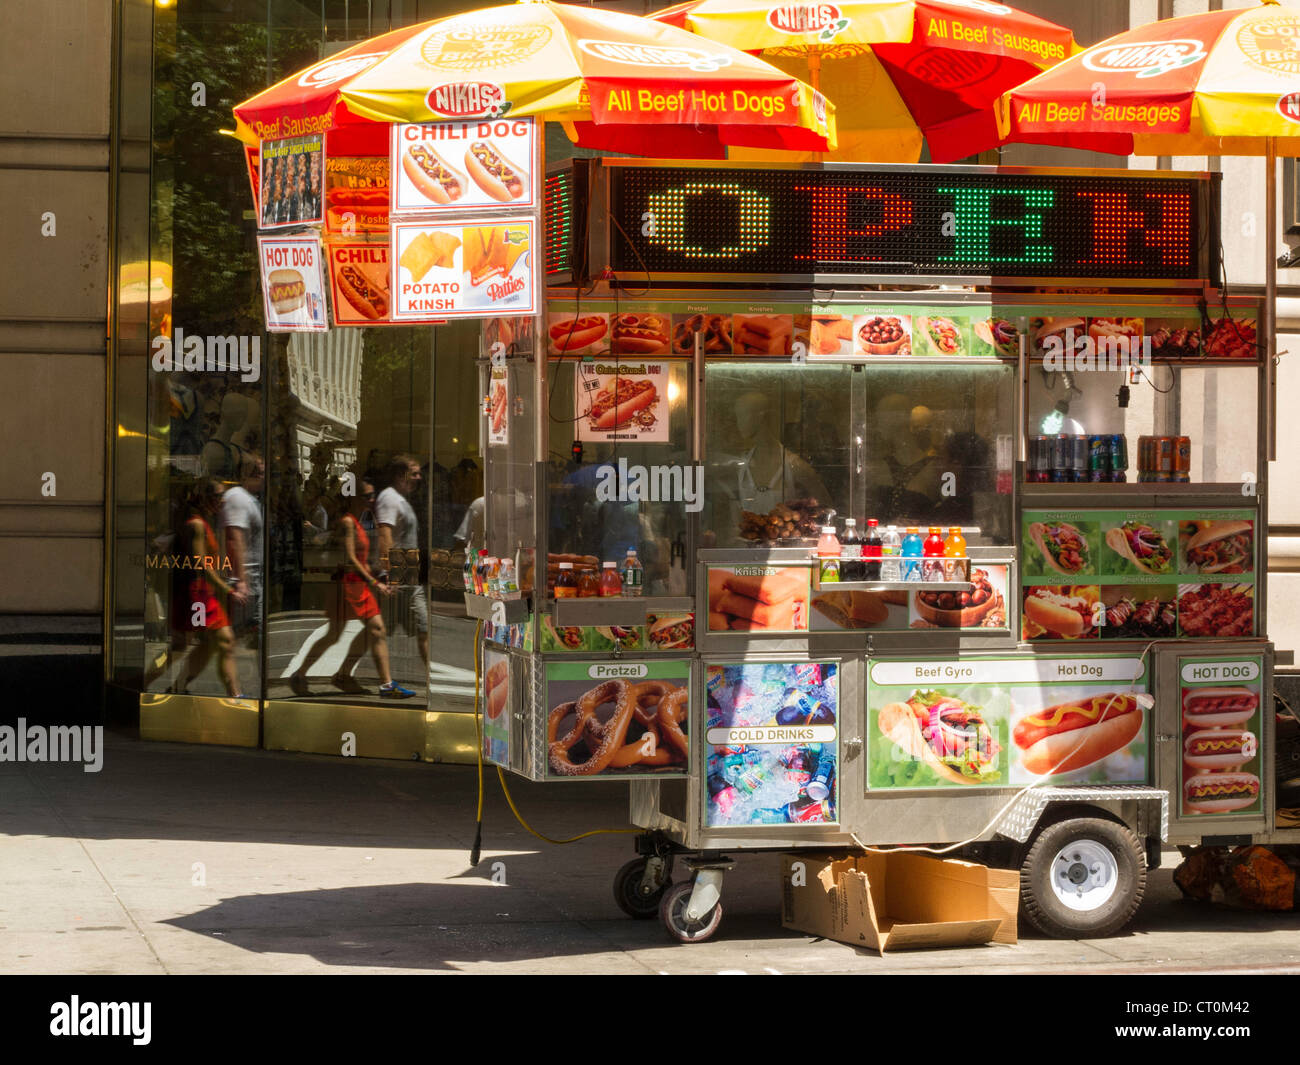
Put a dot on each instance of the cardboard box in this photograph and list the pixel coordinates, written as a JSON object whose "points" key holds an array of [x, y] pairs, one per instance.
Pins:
{"points": [[899, 900]]}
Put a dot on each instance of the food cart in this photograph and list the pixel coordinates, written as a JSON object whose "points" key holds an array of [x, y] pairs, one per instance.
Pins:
{"points": [[731, 359]]}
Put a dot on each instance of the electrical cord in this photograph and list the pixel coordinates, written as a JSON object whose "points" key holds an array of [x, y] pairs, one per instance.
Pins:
{"points": [[997, 817]]}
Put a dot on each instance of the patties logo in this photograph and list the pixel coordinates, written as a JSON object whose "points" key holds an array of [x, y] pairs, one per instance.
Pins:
{"points": [[467, 99], [333, 70], [1272, 42], [654, 55], [824, 21], [1146, 59], [480, 47]]}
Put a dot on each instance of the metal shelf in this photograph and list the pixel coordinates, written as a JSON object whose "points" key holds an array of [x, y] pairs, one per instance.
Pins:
{"points": [[500, 611]]}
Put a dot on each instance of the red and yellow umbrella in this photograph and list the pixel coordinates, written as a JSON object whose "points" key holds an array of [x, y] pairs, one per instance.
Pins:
{"points": [[1217, 83], [617, 82], [900, 71]]}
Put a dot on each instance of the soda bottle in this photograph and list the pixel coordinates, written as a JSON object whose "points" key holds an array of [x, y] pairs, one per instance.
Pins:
{"points": [[851, 552], [480, 572], [722, 794], [467, 569], [828, 555], [872, 549], [912, 549], [610, 582], [807, 811], [891, 547], [932, 568], [954, 549], [633, 573]]}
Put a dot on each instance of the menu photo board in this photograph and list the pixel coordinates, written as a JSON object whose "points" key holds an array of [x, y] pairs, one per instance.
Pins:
{"points": [[356, 195], [359, 282], [1221, 711], [289, 185], [996, 722], [471, 268], [463, 166], [293, 283], [1138, 575]]}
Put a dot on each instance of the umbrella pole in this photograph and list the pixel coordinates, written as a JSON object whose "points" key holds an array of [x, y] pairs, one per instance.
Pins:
{"points": [[1270, 297], [815, 80]]}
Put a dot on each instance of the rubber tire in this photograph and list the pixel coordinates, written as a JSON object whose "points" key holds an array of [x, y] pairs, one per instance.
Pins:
{"points": [[1038, 901], [626, 882], [676, 899]]}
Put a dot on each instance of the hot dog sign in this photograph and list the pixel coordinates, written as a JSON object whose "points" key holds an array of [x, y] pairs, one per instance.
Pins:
{"points": [[456, 166], [623, 400]]}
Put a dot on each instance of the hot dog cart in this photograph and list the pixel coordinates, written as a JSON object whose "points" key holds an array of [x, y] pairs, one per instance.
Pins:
{"points": [[731, 360]]}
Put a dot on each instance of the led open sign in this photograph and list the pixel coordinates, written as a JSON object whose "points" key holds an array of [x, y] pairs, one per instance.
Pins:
{"points": [[923, 222]]}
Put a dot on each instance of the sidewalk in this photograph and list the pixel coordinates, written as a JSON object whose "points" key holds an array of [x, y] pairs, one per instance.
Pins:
{"points": [[179, 859]]}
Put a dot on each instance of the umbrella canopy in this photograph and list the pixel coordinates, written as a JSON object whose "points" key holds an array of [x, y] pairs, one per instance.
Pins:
{"points": [[617, 82], [900, 71], [1217, 83]]}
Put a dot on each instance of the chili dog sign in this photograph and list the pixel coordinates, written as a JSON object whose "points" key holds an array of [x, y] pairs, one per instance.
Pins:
{"points": [[293, 284], [359, 280], [439, 167], [480, 268]]}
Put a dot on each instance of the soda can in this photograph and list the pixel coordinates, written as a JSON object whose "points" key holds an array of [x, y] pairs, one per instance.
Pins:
{"points": [[1162, 477], [1043, 466], [1060, 476], [808, 811], [1164, 454], [1182, 454], [1181, 477], [808, 674], [1118, 477], [1079, 458], [1098, 476], [820, 786], [1144, 453], [1118, 446], [1098, 456], [1062, 455]]}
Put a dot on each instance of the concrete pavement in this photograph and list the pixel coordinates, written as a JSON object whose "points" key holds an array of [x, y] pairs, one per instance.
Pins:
{"points": [[180, 859]]}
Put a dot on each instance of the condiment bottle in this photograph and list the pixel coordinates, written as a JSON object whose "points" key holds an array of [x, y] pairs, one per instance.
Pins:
{"points": [[566, 584], [610, 582]]}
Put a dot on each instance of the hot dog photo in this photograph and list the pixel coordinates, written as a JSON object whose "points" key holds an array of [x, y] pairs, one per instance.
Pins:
{"points": [[360, 278], [498, 407], [1090, 735], [457, 165], [623, 400], [578, 334], [495, 700], [1062, 612], [1221, 755]]}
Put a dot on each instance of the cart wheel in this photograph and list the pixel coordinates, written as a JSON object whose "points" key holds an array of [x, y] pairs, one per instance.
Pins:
{"points": [[630, 893], [1082, 878], [672, 911]]}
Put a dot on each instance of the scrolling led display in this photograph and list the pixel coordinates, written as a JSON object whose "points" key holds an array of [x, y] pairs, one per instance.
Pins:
{"points": [[915, 222]]}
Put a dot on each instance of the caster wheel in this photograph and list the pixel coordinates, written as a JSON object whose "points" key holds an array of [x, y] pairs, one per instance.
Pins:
{"points": [[1082, 879], [630, 893], [672, 910]]}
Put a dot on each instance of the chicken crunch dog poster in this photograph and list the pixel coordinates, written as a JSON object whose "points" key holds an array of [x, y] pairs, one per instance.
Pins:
{"points": [[997, 722], [625, 400]]}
